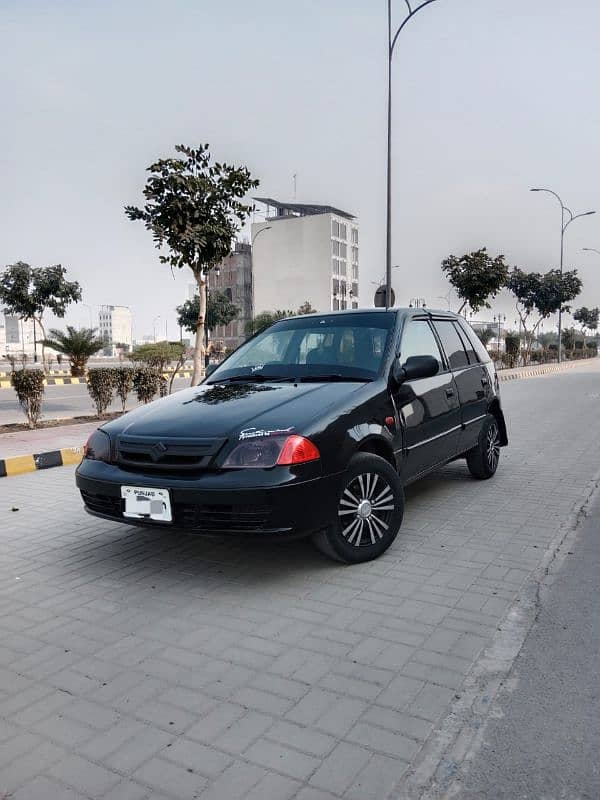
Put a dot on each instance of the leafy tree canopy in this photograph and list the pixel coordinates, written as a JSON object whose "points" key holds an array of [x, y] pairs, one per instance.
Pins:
{"points": [[587, 317], [544, 293], [158, 355], [485, 335], [264, 319], [219, 311], [306, 308], [28, 291], [193, 207], [476, 277]]}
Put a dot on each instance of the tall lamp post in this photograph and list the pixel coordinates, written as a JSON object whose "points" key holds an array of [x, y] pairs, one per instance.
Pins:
{"points": [[567, 217], [391, 45], [499, 319]]}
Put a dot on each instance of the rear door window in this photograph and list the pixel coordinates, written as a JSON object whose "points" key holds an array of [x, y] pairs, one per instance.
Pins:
{"points": [[476, 344], [452, 344]]}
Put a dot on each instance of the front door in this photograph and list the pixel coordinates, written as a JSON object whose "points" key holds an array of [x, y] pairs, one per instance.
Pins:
{"points": [[429, 408]]}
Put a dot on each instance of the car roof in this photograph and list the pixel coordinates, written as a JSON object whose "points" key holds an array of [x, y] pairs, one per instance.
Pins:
{"points": [[404, 311]]}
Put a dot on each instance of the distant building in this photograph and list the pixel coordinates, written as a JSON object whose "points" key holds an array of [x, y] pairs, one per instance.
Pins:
{"points": [[305, 252], [115, 327], [234, 279], [21, 336]]}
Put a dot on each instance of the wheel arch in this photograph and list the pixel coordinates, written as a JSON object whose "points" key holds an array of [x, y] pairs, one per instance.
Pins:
{"points": [[497, 412], [377, 446]]}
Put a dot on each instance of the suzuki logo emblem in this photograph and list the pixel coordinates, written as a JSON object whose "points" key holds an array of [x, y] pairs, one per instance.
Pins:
{"points": [[157, 451]]}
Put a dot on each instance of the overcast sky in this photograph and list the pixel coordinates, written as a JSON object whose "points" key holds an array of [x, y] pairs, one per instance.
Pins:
{"points": [[490, 98]]}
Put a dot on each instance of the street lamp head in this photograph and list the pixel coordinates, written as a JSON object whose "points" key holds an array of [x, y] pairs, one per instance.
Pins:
{"points": [[588, 213], [536, 190]]}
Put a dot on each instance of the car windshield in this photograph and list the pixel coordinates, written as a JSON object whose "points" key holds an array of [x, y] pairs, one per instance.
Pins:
{"points": [[314, 347]]}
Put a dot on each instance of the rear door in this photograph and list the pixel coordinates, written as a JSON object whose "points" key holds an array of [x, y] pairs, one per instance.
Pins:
{"points": [[472, 379], [428, 408]]}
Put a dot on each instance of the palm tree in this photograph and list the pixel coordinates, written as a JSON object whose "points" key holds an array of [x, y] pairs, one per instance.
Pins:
{"points": [[77, 345]]}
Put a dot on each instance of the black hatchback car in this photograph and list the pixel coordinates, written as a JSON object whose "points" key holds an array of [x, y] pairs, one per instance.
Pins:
{"points": [[311, 428]]}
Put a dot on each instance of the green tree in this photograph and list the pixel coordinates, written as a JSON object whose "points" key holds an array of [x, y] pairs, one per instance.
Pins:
{"points": [[587, 318], [306, 308], [538, 296], [194, 208], [476, 277], [219, 311], [485, 335], [77, 345], [158, 357], [264, 319], [512, 344], [28, 292]]}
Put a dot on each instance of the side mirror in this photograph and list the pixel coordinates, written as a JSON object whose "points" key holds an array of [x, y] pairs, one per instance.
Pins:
{"points": [[414, 368]]}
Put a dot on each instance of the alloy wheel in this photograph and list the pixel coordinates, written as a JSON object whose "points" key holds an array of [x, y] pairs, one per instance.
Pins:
{"points": [[366, 509], [492, 446]]}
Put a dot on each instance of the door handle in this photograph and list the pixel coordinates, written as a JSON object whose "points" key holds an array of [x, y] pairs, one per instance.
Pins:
{"points": [[485, 382], [449, 392]]}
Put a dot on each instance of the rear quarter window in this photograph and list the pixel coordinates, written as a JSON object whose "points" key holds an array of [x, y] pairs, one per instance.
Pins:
{"points": [[480, 350]]}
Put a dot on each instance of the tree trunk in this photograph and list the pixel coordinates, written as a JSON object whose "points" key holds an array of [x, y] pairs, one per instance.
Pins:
{"points": [[40, 323], [200, 324]]}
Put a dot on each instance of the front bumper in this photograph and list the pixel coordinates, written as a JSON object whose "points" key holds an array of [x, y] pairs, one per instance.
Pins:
{"points": [[219, 503]]}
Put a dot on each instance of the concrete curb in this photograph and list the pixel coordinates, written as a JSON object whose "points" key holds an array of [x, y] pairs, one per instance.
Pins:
{"points": [[531, 372], [19, 465]]}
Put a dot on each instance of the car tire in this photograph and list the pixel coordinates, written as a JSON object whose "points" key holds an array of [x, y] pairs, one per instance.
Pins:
{"points": [[370, 508], [482, 460]]}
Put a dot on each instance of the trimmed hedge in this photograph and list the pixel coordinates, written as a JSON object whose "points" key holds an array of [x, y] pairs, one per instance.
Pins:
{"points": [[29, 386]]}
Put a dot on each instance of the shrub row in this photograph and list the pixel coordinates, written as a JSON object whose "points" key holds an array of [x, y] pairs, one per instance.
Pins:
{"points": [[106, 382]]}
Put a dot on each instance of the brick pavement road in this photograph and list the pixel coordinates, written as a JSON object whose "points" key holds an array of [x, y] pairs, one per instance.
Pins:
{"points": [[156, 665]]}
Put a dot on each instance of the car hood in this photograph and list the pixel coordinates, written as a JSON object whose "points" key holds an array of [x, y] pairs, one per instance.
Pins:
{"points": [[224, 409]]}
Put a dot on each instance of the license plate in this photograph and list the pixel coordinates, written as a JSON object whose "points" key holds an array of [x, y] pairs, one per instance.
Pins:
{"points": [[144, 503]]}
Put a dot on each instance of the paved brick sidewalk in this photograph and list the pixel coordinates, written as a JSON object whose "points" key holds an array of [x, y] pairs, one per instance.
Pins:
{"points": [[157, 665]]}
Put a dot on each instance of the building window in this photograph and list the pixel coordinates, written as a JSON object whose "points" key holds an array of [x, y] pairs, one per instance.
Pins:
{"points": [[335, 247], [355, 290], [343, 251], [355, 255], [342, 267], [354, 272], [343, 231], [335, 228], [355, 304], [354, 235]]}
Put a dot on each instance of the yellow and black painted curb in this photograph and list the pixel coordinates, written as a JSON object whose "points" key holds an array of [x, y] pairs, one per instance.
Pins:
{"points": [[18, 465]]}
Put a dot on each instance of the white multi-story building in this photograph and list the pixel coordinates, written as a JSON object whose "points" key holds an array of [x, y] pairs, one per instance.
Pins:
{"points": [[305, 253], [115, 327], [19, 336]]}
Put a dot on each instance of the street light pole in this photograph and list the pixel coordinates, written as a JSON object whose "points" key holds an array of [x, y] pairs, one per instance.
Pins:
{"points": [[563, 227], [154, 327], [391, 44]]}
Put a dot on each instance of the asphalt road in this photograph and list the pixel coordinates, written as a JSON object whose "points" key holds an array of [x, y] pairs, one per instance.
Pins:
{"points": [[64, 401], [543, 736]]}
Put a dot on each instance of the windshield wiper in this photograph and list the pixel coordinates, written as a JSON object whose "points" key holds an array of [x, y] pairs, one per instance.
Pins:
{"points": [[333, 376], [256, 378]]}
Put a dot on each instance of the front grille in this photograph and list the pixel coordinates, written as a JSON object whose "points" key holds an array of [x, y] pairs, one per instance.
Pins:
{"points": [[168, 454], [103, 504], [209, 518]]}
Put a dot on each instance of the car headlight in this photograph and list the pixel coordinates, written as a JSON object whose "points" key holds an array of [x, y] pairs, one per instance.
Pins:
{"points": [[97, 447], [272, 450]]}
